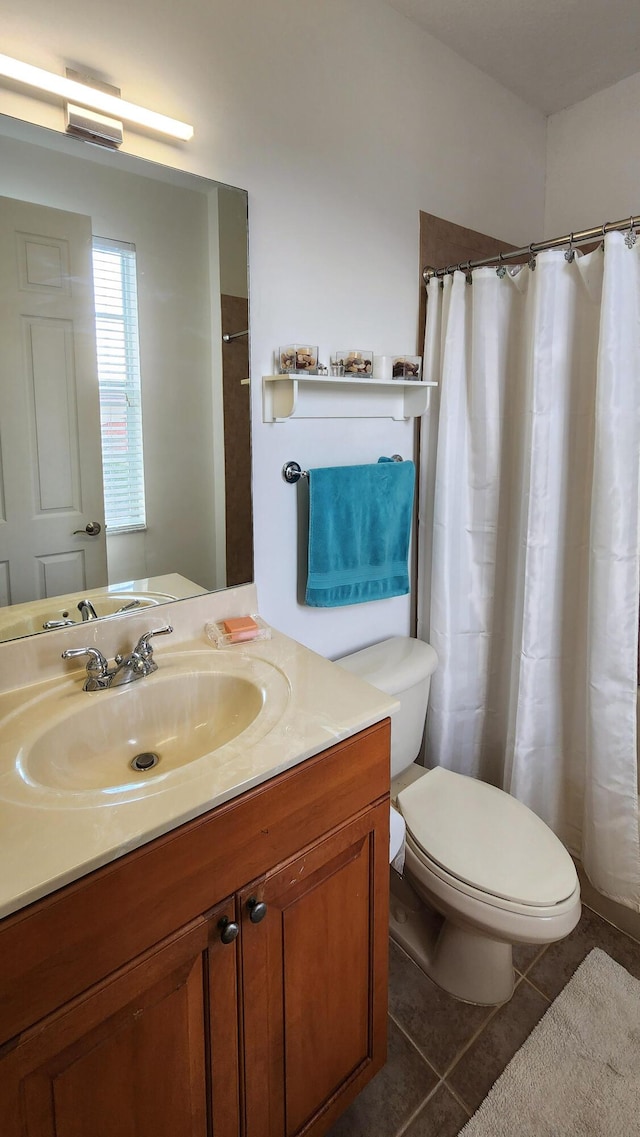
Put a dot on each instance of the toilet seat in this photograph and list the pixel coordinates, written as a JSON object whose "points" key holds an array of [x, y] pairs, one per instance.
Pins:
{"points": [[486, 844], [421, 866]]}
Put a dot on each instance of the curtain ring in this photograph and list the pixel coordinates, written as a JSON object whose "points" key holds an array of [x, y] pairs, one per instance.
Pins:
{"points": [[501, 270], [631, 236], [532, 258], [570, 252]]}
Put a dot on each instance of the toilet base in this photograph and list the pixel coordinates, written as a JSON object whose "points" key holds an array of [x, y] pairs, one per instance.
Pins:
{"points": [[469, 966], [472, 967]]}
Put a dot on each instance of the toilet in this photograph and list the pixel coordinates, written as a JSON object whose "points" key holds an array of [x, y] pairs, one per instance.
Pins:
{"points": [[481, 870]]}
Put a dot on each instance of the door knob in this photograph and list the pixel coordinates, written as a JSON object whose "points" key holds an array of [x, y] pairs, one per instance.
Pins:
{"points": [[257, 909], [228, 930], [92, 528]]}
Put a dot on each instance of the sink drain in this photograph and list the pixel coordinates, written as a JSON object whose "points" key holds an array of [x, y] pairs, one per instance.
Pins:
{"points": [[145, 761]]}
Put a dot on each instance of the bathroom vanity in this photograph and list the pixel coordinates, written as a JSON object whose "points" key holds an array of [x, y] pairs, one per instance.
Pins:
{"points": [[236, 967], [225, 977]]}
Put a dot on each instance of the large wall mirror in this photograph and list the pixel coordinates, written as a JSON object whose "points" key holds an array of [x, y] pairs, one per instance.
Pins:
{"points": [[124, 416]]}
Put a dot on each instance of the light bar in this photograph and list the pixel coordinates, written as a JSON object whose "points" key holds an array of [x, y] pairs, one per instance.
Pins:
{"points": [[91, 97]]}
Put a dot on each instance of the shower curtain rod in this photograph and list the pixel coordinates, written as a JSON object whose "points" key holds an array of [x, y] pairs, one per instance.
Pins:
{"points": [[556, 242]]}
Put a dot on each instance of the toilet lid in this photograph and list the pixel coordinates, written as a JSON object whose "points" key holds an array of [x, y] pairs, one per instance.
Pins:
{"points": [[487, 839]]}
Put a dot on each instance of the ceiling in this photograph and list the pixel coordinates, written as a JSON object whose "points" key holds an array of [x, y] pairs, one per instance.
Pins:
{"points": [[552, 53]]}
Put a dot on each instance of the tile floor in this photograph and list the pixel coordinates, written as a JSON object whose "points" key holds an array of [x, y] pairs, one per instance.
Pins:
{"points": [[444, 1055]]}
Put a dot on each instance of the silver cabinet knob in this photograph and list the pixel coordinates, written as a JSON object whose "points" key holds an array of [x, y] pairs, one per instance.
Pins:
{"points": [[92, 528], [257, 909], [228, 930]]}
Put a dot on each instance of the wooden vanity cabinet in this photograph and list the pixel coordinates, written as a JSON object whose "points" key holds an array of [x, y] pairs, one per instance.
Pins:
{"points": [[261, 1015]]}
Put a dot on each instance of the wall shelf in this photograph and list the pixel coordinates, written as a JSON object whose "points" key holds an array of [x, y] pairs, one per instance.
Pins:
{"points": [[328, 396]]}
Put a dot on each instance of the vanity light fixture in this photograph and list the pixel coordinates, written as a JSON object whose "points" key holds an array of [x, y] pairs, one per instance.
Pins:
{"points": [[98, 98]]}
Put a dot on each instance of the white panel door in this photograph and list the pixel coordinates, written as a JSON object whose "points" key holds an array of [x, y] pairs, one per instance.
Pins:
{"points": [[50, 453]]}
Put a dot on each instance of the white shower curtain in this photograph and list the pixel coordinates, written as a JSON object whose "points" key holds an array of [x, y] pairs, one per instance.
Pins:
{"points": [[529, 543]]}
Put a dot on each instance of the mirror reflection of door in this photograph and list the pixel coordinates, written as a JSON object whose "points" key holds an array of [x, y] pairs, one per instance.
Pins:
{"points": [[49, 406]]}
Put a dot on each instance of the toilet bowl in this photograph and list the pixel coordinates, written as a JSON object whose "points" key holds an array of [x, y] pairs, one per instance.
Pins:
{"points": [[494, 872], [481, 870]]}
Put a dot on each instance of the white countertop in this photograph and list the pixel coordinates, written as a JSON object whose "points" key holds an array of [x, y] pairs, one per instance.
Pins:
{"points": [[50, 838]]}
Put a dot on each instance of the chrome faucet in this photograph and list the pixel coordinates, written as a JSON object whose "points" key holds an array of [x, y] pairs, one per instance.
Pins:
{"points": [[127, 668], [85, 607]]}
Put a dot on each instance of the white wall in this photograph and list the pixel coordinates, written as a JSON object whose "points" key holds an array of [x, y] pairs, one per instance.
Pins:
{"points": [[593, 160], [342, 120]]}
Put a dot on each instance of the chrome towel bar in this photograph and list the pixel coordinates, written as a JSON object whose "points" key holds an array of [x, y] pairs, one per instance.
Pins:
{"points": [[292, 471]]}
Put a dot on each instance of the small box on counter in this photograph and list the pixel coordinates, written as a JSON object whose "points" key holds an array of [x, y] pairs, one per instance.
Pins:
{"points": [[406, 367], [298, 359], [356, 363]]}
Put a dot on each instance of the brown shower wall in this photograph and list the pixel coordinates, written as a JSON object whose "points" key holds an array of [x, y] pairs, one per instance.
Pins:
{"points": [[237, 433]]}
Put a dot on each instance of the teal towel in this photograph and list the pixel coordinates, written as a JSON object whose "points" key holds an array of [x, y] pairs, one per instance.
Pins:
{"points": [[359, 529]]}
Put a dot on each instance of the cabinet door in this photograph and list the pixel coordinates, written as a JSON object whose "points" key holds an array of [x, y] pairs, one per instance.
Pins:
{"points": [[129, 1058], [223, 1033], [314, 979]]}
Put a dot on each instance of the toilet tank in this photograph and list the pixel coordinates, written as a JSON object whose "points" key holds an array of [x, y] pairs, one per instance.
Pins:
{"points": [[400, 666]]}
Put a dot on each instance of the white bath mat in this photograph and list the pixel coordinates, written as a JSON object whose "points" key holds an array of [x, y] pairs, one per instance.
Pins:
{"points": [[578, 1073]]}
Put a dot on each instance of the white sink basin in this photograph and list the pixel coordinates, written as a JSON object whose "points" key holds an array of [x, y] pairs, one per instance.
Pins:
{"points": [[76, 747]]}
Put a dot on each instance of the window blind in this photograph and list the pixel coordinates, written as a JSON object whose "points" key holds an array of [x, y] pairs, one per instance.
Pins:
{"points": [[116, 306]]}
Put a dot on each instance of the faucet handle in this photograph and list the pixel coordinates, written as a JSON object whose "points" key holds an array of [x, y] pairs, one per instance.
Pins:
{"points": [[143, 647], [128, 607], [97, 664]]}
